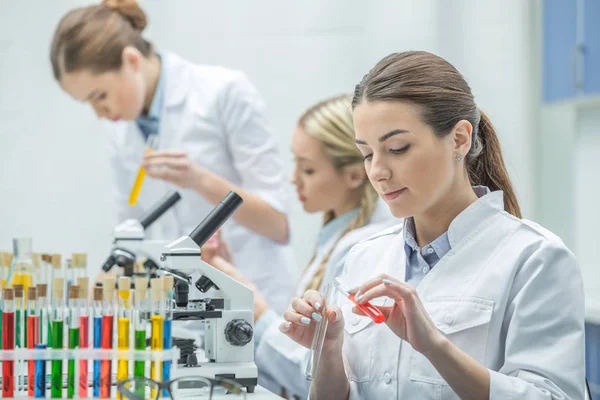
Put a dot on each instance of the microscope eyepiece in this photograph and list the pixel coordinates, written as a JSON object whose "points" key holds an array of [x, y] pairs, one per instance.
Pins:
{"points": [[216, 218], [160, 208]]}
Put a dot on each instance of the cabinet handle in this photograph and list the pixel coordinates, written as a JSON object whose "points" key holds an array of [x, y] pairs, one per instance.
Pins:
{"points": [[578, 53]]}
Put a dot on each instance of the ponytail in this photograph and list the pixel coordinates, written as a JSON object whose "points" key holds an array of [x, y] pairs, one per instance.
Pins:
{"points": [[486, 165]]}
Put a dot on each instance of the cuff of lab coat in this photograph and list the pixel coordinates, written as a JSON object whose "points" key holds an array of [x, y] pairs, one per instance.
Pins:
{"points": [[505, 387], [262, 324]]}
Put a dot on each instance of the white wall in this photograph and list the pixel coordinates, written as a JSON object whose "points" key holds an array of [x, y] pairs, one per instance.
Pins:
{"points": [[54, 181]]}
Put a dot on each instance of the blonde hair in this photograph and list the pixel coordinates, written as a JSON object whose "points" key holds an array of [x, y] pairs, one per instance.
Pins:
{"points": [[330, 122], [94, 37]]}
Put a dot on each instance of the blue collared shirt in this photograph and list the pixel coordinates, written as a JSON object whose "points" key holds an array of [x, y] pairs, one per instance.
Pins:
{"points": [[420, 261], [149, 123]]}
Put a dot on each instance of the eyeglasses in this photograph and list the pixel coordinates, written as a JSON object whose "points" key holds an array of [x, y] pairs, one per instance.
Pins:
{"points": [[181, 388]]}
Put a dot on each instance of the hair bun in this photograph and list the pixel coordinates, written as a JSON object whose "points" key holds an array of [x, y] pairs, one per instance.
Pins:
{"points": [[130, 10]]}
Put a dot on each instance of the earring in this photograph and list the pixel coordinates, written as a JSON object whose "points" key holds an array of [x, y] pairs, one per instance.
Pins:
{"points": [[458, 157]]}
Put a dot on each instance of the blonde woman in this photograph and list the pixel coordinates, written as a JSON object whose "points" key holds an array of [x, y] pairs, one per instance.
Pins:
{"points": [[330, 177]]}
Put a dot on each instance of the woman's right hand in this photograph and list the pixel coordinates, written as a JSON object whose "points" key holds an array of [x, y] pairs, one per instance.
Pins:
{"points": [[303, 315]]}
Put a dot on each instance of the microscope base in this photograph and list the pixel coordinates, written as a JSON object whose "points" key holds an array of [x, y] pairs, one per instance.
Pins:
{"points": [[244, 373]]}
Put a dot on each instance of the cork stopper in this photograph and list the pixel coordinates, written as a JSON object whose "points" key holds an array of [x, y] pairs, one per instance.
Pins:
{"points": [[168, 283], [108, 288], [69, 263], [31, 293], [141, 287], [36, 259], [84, 287], [6, 259], [8, 294], [18, 291], [73, 292], [79, 260], [124, 283], [97, 293], [155, 289], [56, 260], [47, 258], [58, 288], [42, 290]]}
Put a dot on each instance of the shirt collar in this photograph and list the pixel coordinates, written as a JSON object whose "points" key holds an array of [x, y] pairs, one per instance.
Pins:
{"points": [[487, 204], [157, 100], [336, 225]]}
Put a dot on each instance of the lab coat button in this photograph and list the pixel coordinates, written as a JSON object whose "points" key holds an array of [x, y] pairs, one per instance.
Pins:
{"points": [[449, 318], [387, 378], [355, 320], [430, 250], [425, 270]]}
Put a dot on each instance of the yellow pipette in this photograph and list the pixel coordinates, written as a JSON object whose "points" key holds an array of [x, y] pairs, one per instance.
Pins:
{"points": [[139, 179]]}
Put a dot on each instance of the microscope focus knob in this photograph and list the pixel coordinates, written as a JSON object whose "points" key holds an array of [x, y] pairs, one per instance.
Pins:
{"points": [[238, 332]]}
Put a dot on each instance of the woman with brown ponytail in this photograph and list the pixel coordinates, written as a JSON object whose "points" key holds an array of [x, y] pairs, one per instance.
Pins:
{"points": [[478, 302], [206, 124], [330, 178]]}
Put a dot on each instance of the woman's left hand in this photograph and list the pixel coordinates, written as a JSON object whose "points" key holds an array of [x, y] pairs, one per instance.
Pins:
{"points": [[173, 166], [407, 317], [216, 246]]}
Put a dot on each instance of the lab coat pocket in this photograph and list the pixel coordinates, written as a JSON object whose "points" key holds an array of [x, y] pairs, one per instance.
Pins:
{"points": [[358, 345], [465, 322]]}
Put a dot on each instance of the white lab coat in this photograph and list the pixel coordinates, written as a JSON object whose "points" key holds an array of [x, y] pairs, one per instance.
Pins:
{"points": [[217, 116], [509, 293], [280, 360]]}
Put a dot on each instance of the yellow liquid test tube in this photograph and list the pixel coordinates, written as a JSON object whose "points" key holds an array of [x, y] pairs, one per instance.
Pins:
{"points": [[139, 179], [156, 332], [123, 323]]}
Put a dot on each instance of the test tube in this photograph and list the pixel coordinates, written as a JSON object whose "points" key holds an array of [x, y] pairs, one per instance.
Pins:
{"points": [[69, 275], [367, 308], [123, 322], [140, 310], [40, 375], [36, 259], [8, 342], [318, 337], [44, 328], [57, 315], [46, 269], [5, 263], [156, 321], [84, 334], [74, 332], [108, 316], [33, 335], [151, 143], [97, 315], [168, 283], [20, 335], [23, 264]]}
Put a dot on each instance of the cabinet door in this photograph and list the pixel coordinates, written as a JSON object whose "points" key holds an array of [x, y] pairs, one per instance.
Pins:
{"points": [[559, 33], [591, 41]]}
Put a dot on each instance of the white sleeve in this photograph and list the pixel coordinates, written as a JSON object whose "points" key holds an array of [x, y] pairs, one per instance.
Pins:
{"points": [[283, 359], [250, 140], [544, 347], [121, 185]]}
